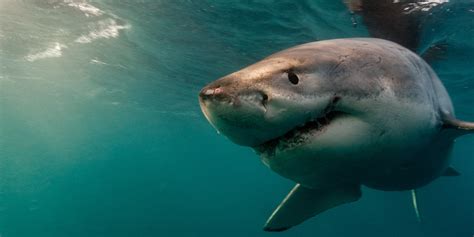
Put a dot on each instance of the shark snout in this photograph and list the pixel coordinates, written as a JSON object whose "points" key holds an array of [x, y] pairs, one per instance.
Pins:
{"points": [[214, 94], [249, 97]]}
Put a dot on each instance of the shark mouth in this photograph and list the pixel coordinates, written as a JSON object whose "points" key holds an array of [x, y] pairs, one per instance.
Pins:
{"points": [[300, 134]]}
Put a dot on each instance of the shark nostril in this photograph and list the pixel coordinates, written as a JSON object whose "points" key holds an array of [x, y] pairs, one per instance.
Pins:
{"points": [[264, 100]]}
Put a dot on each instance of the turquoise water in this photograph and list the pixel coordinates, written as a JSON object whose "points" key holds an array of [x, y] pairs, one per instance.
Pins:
{"points": [[101, 132]]}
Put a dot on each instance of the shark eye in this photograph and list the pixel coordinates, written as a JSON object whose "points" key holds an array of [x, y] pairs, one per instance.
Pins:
{"points": [[293, 78]]}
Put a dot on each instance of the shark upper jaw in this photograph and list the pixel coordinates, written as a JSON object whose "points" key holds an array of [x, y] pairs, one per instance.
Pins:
{"points": [[231, 118]]}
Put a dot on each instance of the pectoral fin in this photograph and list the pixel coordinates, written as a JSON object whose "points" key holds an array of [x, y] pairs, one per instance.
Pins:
{"points": [[451, 172], [415, 204], [303, 203]]}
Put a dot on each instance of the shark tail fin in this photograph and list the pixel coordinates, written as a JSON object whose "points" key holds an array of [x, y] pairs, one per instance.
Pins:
{"points": [[415, 204]]}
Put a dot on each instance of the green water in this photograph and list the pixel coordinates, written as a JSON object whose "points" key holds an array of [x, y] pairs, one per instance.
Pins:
{"points": [[101, 133]]}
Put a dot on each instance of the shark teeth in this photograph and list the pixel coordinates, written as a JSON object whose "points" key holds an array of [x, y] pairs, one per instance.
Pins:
{"points": [[297, 136]]}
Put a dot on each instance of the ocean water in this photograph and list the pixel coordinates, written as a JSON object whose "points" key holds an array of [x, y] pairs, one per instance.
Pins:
{"points": [[101, 132]]}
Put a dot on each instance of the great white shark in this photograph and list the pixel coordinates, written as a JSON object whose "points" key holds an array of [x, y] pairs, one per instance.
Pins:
{"points": [[337, 114]]}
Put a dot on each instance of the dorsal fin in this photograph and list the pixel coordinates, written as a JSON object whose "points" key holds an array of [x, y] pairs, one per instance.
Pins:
{"points": [[458, 127]]}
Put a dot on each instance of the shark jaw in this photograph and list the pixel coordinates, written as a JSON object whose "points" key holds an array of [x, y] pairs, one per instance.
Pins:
{"points": [[301, 134]]}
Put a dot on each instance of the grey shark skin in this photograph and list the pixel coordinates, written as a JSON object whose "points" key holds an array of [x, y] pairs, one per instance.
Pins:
{"points": [[337, 114]]}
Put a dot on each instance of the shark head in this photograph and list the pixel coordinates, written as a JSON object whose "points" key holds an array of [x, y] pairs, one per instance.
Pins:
{"points": [[280, 101]]}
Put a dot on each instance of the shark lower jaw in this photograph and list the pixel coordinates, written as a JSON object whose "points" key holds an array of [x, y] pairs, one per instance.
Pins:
{"points": [[299, 135]]}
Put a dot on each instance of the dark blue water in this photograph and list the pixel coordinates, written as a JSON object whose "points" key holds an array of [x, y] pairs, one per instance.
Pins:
{"points": [[101, 133]]}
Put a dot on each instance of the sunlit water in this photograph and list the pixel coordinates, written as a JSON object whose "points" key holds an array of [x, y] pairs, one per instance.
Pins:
{"points": [[101, 133]]}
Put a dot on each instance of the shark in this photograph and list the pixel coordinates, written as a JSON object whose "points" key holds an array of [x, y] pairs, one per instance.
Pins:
{"points": [[335, 115]]}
